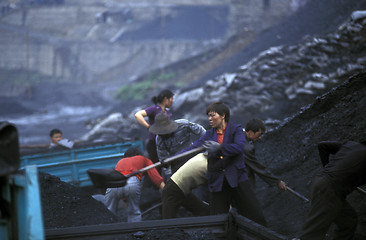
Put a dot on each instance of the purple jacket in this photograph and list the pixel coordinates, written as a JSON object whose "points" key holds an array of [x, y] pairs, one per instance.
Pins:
{"points": [[151, 112], [229, 161]]}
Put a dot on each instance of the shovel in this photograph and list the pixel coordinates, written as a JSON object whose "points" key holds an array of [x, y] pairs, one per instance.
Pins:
{"points": [[360, 190], [297, 194], [110, 178]]}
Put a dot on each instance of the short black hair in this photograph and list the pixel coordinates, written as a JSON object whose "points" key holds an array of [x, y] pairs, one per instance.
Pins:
{"points": [[55, 131], [255, 125], [132, 151], [220, 108]]}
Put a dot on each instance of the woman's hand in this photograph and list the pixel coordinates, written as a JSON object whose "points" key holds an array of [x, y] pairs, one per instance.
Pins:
{"points": [[212, 146]]}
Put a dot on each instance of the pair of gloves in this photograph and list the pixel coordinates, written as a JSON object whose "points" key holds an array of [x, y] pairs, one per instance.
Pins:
{"points": [[212, 146]]}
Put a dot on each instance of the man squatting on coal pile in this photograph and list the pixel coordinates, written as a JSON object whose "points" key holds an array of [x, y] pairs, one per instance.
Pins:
{"points": [[227, 178], [344, 169], [131, 162]]}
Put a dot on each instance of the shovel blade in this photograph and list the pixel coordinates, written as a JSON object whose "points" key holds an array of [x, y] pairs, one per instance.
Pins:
{"points": [[106, 178]]}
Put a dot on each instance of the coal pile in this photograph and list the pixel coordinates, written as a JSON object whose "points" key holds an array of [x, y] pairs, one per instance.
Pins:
{"points": [[64, 205], [290, 151]]}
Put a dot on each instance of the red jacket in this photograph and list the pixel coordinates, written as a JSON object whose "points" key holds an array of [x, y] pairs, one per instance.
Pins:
{"points": [[132, 164]]}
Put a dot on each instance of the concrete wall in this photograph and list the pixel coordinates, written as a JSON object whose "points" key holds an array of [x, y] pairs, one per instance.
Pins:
{"points": [[90, 60], [66, 41]]}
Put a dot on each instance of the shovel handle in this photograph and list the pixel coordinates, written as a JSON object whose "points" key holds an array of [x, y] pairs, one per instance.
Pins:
{"points": [[171, 159], [152, 208], [297, 194], [360, 190]]}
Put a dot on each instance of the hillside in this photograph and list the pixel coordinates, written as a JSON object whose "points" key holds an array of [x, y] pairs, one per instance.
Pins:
{"points": [[290, 151], [272, 86], [314, 18], [280, 80]]}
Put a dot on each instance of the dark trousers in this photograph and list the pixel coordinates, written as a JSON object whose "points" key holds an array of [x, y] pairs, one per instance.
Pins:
{"points": [[241, 197], [328, 207], [153, 156], [151, 150], [173, 197]]}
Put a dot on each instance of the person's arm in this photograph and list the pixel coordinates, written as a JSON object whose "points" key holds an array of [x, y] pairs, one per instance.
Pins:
{"points": [[197, 143], [256, 167], [66, 143], [237, 145], [140, 117], [153, 173], [197, 129], [327, 147]]}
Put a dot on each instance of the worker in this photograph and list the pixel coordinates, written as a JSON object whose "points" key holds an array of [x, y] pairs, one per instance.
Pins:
{"points": [[253, 133], [226, 174], [162, 103], [344, 169], [132, 161], [172, 137], [178, 190]]}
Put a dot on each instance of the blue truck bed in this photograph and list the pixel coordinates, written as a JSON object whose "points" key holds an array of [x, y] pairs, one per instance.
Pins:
{"points": [[71, 165]]}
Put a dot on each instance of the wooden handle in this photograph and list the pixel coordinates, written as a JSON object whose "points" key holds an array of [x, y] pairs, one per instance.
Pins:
{"points": [[171, 159]]}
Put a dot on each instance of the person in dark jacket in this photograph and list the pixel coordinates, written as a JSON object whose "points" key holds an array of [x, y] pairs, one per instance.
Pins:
{"points": [[172, 137], [344, 169], [192, 174], [226, 173], [253, 133]]}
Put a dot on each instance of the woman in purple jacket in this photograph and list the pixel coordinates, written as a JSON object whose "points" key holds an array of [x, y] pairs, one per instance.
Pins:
{"points": [[227, 178], [162, 102]]}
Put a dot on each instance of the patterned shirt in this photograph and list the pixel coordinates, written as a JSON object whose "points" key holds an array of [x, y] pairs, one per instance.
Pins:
{"points": [[186, 134]]}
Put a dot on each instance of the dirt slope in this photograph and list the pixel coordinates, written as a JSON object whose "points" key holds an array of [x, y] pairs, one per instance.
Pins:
{"points": [[291, 152], [316, 17]]}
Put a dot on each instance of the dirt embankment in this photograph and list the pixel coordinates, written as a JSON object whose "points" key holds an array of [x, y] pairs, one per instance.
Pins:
{"points": [[290, 151]]}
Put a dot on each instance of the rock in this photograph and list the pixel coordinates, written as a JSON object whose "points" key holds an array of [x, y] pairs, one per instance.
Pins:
{"points": [[316, 85], [357, 15]]}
